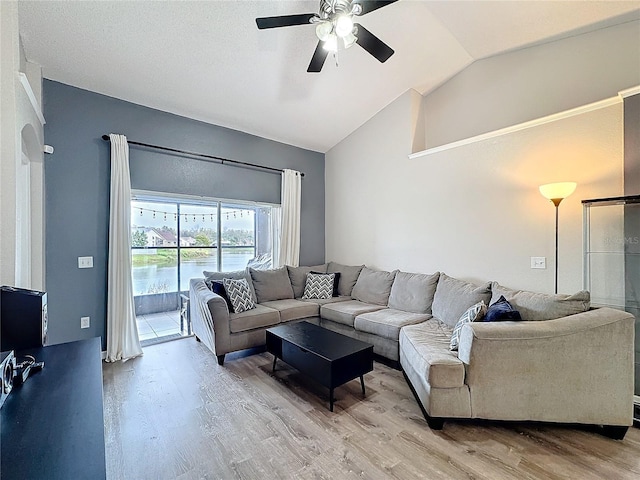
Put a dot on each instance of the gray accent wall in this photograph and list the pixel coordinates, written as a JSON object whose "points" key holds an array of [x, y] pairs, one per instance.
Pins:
{"points": [[77, 177]]}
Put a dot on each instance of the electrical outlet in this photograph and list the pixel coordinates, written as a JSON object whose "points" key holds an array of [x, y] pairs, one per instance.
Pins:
{"points": [[538, 262], [85, 262], [85, 322]]}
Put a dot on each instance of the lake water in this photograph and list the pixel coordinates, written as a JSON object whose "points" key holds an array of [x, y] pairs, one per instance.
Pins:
{"points": [[158, 278]]}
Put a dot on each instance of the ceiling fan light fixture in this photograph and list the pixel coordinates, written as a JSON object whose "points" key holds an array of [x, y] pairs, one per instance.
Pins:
{"points": [[335, 28], [331, 43], [349, 40], [344, 25], [323, 30]]}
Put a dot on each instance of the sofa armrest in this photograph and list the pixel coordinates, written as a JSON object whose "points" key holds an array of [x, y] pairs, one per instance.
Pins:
{"points": [[528, 330], [578, 367], [209, 317]]}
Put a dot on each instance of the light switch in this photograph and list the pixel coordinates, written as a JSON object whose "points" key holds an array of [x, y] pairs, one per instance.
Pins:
{"points": [[538, 262], [85, 262]]}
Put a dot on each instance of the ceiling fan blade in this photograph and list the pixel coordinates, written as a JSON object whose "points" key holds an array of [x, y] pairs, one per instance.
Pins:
{"points": [[371, 5], [284, 20], [373, 44], [317, 61]]}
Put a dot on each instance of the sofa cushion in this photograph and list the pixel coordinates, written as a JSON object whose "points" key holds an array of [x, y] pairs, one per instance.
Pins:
{"points": [[217, 287], [258, 317], [298, 277], [426, 347], [346, 312], [413, 292], [373, 286], [542, 306], [235, 275], [291, 309], [473, 314], [501, 310], [325, 301], [272, 284], [348, 276], [453, 297], [387, 322], [239, 294]]}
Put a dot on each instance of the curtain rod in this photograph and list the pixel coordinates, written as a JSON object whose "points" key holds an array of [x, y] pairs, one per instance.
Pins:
{"points": [[203, 155]]}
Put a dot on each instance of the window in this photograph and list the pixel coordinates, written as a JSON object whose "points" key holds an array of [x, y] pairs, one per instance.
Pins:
{"points": [[153, 247], [198, 241], [176, 239]]}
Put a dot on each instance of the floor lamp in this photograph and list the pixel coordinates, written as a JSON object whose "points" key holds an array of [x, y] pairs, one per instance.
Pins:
{"points": [[556, 192]]}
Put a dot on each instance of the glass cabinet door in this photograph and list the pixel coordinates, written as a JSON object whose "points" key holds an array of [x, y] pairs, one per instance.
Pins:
{"points": [[612, 259]]}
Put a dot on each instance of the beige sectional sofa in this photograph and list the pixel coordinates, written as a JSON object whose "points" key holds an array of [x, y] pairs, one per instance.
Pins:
{"points": [[564, 362], [371, 306]]}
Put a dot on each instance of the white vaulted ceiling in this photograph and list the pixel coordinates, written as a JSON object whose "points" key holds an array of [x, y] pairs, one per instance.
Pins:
{"points": [[207, 60]]}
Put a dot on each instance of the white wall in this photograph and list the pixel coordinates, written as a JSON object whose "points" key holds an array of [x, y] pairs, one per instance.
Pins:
{"points": [[9, 58], [475, 211], [533, 82], [21, 162]]}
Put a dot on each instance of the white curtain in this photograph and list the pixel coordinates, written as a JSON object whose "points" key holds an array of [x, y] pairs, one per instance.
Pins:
{"points": [[122, 332], [276, 222], [290, 224]]}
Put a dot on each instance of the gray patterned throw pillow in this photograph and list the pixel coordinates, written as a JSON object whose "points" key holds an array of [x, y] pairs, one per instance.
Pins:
{"points": [[473, 314], [318, 286], [239, 294]]}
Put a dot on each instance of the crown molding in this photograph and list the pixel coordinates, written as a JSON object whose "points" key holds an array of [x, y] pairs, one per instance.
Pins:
{"points": [[521, 126], [630, 92]]}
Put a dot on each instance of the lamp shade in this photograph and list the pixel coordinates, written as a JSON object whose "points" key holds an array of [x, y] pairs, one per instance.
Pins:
{"points": [[556, 192], [323, 30], [331, 43], [349, 40], [344, 25]]}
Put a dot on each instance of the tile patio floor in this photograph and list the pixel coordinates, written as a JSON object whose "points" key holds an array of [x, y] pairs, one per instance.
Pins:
{"points": [[157, 325]]}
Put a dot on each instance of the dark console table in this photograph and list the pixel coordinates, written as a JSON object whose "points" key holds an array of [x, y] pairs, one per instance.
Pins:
{"points": [[52, 426], [328, 357]]}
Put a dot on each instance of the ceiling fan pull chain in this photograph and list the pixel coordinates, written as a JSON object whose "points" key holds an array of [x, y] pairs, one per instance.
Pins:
{"points": [[335, 57]]}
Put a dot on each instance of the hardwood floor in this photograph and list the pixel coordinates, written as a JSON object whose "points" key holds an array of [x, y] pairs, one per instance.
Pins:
{"points": [[175, 413]]}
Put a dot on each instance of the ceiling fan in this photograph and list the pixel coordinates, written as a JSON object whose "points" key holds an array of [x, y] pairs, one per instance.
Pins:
{"points": [[335, 28]]}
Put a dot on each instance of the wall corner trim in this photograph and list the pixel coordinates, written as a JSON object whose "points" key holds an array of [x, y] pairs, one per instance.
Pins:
{"points": [[24, 81], [523, 126], [629, 92]]}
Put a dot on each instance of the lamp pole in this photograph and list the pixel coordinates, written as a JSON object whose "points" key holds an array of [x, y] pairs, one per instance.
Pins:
{"points": [[556, 202]]}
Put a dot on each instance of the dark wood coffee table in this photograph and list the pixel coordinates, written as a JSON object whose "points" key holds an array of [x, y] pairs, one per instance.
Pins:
{"points": [[327, 357]]}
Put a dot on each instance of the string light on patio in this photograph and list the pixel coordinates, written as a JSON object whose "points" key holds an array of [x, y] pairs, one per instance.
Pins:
{"points": [[164, 214]]}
